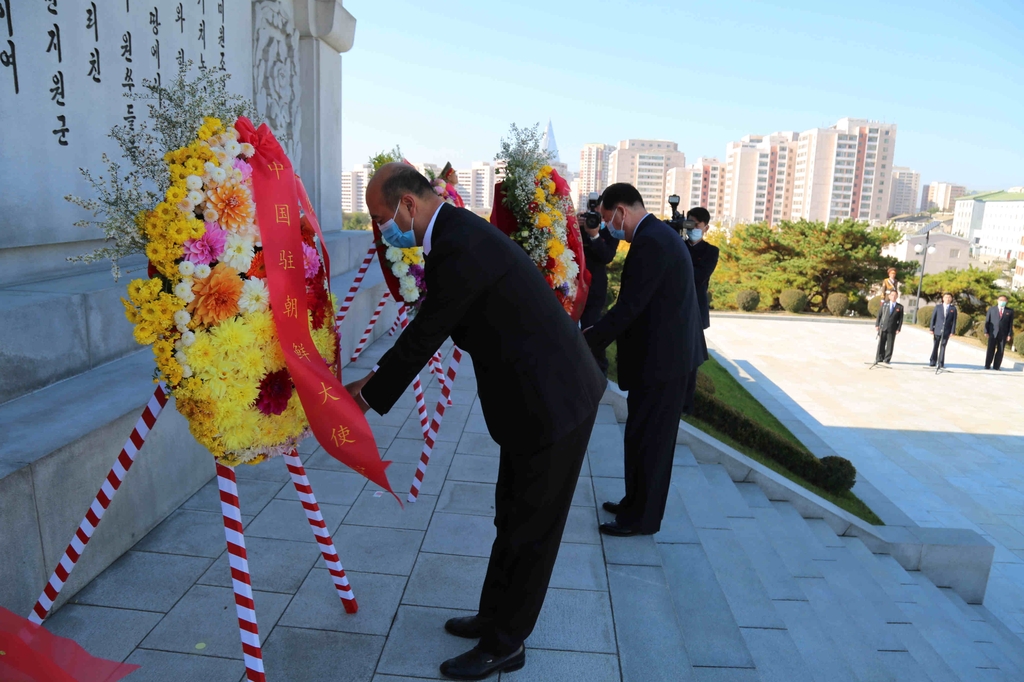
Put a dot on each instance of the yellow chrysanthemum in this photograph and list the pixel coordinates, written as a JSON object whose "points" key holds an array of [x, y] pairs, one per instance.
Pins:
{"points": [[144, 334], [178, 231], [555, 248], [201, 353], [232, 336], [324, 340], [261, 325], [538, 195], [175, 194], [251, 364], [542, 220], [545, 171]]}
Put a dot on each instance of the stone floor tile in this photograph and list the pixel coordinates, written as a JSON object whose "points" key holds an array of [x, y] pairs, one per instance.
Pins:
{"points": [[163, 666], [385, 512], [286, 520], [606, 415], [206, 615], [446, 581], [460, 534], [581, 526], [725, 675], [475, 468], [418, 643], [476, 424], [608, 489], [574, 620], [776, 657], [377, 550], [316, 605], [395, 418], [144, 580], [298, 655], [329, 487], [383, 435], [565, 666], [400, 475], [274, 565], [580, 567], [459, 497], [584, 495], [474, 443], [253, 494], [410, 449], [190, 532], [639, 550], [107, 633]]}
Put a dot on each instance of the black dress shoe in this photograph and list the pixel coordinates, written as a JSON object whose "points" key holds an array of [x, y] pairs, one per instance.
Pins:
{"points": [[476, 664], [613, 528], [470, 627], [613, 507]]}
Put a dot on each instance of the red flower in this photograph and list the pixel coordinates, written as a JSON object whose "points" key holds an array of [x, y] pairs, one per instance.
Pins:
{"points": [[317, 300], [307, 230], [550, 264], [258, 268], [275, 391]]}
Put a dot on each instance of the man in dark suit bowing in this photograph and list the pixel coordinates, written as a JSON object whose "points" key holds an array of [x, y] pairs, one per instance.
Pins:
{"points": [[998, 330], [888, 324], [539, 388], [656, 321], [943, 325]]}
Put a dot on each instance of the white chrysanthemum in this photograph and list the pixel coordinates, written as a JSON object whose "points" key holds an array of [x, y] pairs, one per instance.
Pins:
{"points": [[186, 206], [219, 175], [194, 182], [188, 338], [183, 290], [180, 357], [202, 271], [401, 269], [232, 148], [186, 268], [186, 371], [238, 252], [196, 197], [248, 150], [182, 317], [210, 214], [209, 167], [255, 297], [407, 287], [230, 133], [393, 254]]}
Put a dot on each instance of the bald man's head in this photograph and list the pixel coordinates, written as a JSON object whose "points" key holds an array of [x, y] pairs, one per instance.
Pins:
{"points": [[395, 185]]}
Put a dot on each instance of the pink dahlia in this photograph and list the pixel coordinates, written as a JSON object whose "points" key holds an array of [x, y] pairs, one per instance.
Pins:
{"points": [[311, 260], [275, 391], [207, 248], [244, 167]]}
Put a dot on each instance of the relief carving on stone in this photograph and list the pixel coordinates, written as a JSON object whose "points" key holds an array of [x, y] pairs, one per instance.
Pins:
{"points": [[276, 85]]}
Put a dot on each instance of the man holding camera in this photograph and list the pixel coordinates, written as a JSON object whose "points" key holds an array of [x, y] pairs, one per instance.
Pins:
{"points": [[704, 257], [599, 248], [656, 321]]}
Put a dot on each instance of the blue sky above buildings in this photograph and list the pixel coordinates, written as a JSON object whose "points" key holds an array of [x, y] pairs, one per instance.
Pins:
{"points": [[444, 79]]}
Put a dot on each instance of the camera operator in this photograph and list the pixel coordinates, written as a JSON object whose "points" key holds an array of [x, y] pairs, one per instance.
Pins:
{"points": [[704, 257], [599, 248]]}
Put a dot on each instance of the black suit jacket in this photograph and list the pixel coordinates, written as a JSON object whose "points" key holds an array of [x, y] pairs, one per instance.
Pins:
{"points": [[536, 378], [943, 325], [655, 320], [996, 326], [890, 322], [598, 251], [705, 260]]}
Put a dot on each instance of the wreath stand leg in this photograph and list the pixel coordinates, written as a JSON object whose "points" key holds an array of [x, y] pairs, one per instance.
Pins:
{"points": [[99, 505], [323, 536], [435, 424], [245, 607], [351, 295], [417, 385], [369, 327], [394, 327]]}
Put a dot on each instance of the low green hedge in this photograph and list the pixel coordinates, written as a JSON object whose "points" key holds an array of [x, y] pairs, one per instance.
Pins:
{"points": [[834, 474], [924, 315], [963, 323], [874, 305], [1018, 342]]}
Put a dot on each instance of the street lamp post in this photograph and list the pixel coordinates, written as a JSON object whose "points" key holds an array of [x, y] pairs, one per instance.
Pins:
{"points": [[919, 249]]}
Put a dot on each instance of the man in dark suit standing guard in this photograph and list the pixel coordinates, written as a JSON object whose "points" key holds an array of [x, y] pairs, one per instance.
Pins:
{"points": [[888, 324], [998, 330], [943, 325], [657, 324], [539, 389], [598, 250]]}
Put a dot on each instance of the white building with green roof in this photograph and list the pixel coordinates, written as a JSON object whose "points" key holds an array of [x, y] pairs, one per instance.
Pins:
{"points": [[993, 224]]}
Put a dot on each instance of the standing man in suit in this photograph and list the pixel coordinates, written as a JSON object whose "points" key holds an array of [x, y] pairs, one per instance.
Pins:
{"points": [[539, 389], [888, 324], [943, 324], [705, 259], [656, 321], [599, 248], [998, 330]]}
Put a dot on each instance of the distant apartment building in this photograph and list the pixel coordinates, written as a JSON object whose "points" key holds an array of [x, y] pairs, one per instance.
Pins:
{"points": [[644, 164], [842, 171], [699, 184], [594, 160], [993, 225], [476, 186], [353, 188], [903, 196], [951, 252], [758, 179], [941, 196]]}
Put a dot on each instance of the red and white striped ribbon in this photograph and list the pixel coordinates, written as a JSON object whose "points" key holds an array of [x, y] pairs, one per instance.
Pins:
{"points": [[436, 368], [347, 303], [394, 327], [417, 385], [369, 326], [99, 505], [245, 607], [323, 536], [435, 424]]}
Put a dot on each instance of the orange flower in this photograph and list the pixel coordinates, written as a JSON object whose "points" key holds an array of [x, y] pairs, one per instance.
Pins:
{"points": [[216, 296], [258, 268], [233, 204]]}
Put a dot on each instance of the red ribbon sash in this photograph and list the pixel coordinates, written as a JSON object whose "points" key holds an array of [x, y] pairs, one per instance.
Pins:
{"points": [[336, 420]]}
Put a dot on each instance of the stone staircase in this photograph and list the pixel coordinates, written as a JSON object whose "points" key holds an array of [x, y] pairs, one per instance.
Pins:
{"points": [[741, 587]]}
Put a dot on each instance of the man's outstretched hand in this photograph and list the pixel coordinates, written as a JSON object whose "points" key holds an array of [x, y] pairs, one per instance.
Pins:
{"points": [[354, 390]]}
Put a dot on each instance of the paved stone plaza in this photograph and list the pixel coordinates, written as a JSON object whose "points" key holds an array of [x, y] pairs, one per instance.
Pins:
{"points": [[947, 449]]}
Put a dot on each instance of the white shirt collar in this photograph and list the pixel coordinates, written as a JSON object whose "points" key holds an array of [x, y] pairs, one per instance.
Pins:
{"points": [[430, 230], [641, 222]]}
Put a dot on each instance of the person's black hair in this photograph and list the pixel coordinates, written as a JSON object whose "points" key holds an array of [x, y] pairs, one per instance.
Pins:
{"points": [[1002, 296], [405, 180], [620, 193], [699, 214]]}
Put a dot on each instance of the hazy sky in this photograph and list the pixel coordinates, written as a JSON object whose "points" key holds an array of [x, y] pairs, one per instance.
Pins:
{"points": [[445, 79]]}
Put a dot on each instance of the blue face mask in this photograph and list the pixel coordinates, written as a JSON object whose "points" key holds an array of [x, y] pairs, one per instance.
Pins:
{"points": [[394, 236], [618, 234], [696, 234]]}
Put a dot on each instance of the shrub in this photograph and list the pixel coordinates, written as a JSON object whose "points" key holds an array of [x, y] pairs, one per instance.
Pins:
{"points": [[838, 304], [711, 300], [835, 477], [924, 315], [978, 330], [1018, 342], [874, 305], [705, 384], [748, 299], [793, 300], [963, 323], [860, 305]]}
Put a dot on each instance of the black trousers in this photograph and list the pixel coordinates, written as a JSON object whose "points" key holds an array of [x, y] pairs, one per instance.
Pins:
{"points": [[938, 350], [650, 443], [886, 340], [591, 314], [531, 503], [691, 389], [994, 354]]}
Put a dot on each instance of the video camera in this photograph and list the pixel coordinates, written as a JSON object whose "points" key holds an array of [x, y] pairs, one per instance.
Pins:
{"points": [[678, 221], [591, 218]]}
